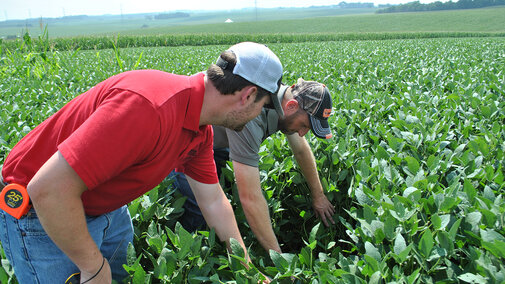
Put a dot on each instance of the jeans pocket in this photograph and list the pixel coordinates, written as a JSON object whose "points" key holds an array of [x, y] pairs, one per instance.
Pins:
{"points": [[30, 224]]}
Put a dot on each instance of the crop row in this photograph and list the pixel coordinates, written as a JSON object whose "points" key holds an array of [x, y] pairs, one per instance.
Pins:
{"points": [[129, 41]]}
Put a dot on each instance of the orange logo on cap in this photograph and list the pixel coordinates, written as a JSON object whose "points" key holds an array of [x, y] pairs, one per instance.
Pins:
{"points": [[327, 112]]}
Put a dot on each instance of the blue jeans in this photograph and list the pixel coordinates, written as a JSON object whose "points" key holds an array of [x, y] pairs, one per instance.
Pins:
{"points": [[36, 259], [192, 218]]}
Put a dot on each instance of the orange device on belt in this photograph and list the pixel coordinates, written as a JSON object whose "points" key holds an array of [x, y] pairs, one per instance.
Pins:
{"points": [[14, 200]]}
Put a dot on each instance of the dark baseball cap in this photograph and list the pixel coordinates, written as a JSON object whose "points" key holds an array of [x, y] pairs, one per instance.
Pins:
{"points": [[315, 99]]}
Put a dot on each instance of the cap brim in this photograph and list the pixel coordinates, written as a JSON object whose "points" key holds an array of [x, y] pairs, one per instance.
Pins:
{"points": [[320, 128], [277, 99]]}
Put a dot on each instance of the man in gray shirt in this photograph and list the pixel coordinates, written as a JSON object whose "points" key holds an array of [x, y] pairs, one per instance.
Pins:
{"points": [[299, 108]]}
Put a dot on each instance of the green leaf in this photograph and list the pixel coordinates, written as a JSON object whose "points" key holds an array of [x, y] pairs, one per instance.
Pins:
{"points": [[412, 164], [185, 240], [412, 277], [400, 244], [437, 221], [139, 277], [313, 233], [375, 278], [280, 263], [389, 227], [372, 251], [426, 243], [212, 238], [236, 248], [368, 213], [373, 264], [433, 162], [152, 230], [496, 247], [488, 193], [133, 207], [473, 218], [440, 222], [305, 257], [381, 153], [362, 197], [448, 203], [412, 193], [172, 236], [445, 241], [472, 278], [469, 190], [490, 235], [156, 243], [454, 229], [489, 217], [405, 253], [131, 255]]}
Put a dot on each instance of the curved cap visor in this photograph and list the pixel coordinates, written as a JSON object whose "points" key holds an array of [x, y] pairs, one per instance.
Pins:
{"points": [[277, 100], [320, 128]]}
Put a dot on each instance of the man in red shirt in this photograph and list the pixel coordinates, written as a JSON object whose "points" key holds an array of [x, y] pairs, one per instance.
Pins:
{"points": [[112, 144]]}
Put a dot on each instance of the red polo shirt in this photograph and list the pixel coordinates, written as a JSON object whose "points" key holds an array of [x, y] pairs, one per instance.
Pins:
{"points": [[123, 137]]}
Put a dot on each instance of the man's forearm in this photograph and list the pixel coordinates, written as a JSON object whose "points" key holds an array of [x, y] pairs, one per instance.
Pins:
{"points": [[305, 160], [220, 216], [217, 211], [254, 205], [55, 193], [258, 217], [307, 163], [64, 222]]}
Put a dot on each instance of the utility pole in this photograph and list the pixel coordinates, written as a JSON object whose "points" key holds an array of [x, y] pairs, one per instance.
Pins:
{"points": [[256, 8]]}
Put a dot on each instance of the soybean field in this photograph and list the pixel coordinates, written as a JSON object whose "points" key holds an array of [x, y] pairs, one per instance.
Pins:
{"points": [[415, 169]]}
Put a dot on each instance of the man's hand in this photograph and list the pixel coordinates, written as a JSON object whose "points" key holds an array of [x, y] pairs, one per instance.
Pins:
{"points": [[324, 209]]}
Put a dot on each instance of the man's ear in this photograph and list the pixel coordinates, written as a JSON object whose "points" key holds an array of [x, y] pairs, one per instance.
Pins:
{"points": [[248, 94], [291, 107]]}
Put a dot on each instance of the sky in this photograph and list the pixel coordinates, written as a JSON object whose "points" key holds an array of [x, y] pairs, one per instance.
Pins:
{"points": [[23, 9]]}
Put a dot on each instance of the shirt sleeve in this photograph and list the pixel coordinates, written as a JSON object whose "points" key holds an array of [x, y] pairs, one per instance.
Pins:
{"points": [[121, 132], [201, 167], [244, 145]]}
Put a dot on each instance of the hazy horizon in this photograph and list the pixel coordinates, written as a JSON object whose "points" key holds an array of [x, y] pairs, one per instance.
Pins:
{"points": [[31, 9]]}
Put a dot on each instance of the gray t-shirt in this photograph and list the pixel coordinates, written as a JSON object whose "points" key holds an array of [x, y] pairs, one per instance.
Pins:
{"points": [[245, 145]]}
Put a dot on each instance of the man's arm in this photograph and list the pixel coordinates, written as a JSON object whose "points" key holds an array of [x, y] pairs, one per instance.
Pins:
{"points": [[254, 205], [55, 192], [305, 159], [217, 211]]}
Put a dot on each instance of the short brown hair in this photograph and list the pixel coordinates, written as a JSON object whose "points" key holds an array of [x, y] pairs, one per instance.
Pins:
{"points": [[226, 82]]}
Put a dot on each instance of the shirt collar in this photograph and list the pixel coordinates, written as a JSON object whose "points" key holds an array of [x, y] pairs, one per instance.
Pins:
{"points": [[195, 103]]}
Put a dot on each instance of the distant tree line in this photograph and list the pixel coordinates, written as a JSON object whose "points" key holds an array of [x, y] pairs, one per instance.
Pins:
{"points": [[345, 5], [171, 16], [416, 6]]}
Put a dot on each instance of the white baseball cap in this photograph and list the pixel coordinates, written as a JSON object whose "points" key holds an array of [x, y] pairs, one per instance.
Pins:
{"points": [[257, 64]]}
